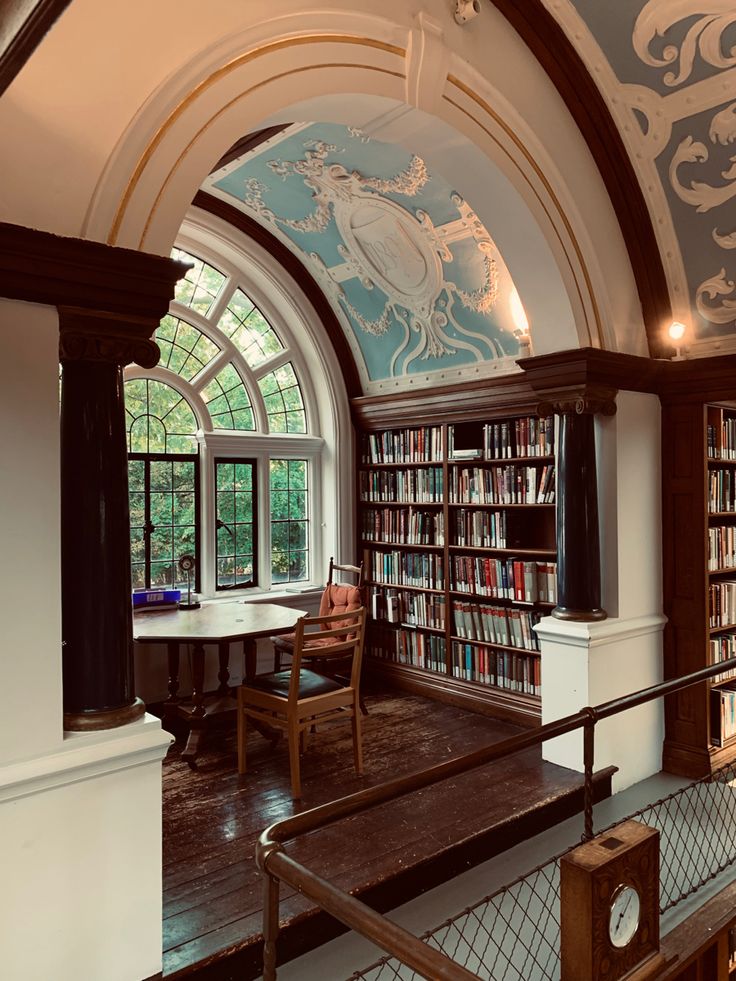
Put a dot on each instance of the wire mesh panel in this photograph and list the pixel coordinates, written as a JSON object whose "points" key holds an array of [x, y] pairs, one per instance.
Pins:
{"points": [[514, 934]]}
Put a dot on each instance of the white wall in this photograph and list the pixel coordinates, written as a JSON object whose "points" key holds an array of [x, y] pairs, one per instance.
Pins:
{"points": [[590, 663], [80, 814]]}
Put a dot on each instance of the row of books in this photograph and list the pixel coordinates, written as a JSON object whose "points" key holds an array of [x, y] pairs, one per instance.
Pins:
{"points": [[526, 436], [721, 490], [409, 647], [722, 713], [419, 445], [501, 669], [505, 625], [722, 547], [417, 486], [722, 603], [525, 581], [422, 569], [503, 485], [726, 448], [403, 526], [408, 608], [480, 529], [723, 648]]}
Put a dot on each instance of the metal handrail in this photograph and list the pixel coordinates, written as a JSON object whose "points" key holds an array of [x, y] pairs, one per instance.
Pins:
{"points": [[276, 865]]}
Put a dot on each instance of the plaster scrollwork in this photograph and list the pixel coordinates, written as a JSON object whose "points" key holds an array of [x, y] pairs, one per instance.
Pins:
{"points": [[390, 251], [704, 36], [701, 195], [717, 286]]}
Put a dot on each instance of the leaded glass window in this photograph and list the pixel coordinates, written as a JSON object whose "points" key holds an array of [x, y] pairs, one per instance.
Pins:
{"points": [[289, 521], [249, 330], [160, 420], [185, 350], [283, 400], [236, 528], [201, 285], [228, 402], [163, 493]]}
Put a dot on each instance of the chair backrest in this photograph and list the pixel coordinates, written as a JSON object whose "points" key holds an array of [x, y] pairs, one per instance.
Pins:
{"points": [[333, 628], [342, 597]]}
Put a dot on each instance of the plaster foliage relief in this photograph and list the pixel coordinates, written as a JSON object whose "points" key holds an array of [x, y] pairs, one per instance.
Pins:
{"points": [[703, 36], [414, 270]]}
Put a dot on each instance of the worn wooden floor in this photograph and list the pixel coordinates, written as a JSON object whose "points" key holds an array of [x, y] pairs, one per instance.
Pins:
{"points": [[212, 818]]}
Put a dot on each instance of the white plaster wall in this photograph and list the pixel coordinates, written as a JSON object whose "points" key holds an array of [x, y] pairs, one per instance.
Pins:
{"points": [[81, 860], [591, 663], [30, 582]]}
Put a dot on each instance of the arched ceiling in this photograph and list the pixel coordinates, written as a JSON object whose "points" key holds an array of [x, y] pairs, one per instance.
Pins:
{"points": [[665, 71], [417, 279]]}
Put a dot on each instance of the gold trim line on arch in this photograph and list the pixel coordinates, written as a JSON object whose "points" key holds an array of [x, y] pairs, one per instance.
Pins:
{"points": [[215, 77], [242, 95]]}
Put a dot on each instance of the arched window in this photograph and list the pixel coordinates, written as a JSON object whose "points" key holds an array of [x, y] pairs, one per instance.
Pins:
{"points": [[223, 462]]}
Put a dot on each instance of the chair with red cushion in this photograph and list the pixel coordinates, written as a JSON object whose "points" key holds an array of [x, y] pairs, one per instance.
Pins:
{"points": [[297, 699], [337, 597]]}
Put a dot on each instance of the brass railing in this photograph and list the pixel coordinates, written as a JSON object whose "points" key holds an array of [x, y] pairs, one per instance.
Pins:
{"points": [[277, 866]]}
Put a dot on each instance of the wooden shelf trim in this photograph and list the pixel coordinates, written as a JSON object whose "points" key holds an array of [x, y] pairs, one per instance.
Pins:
{"points": [[492, 643], [547, 553], [399, 585], [500, 461], [367, 543], [498, 504]]}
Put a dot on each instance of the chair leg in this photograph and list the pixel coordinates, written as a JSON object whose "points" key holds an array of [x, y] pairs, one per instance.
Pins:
{"points": [[276, 659], [242, 733], [296, 787], [363, 707], [357, 739]]}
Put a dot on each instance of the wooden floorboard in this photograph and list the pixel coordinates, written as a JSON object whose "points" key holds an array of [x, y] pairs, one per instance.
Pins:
{"points": [[213, 816]]}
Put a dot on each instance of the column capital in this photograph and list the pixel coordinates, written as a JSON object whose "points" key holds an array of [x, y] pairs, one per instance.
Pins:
{"points": [[587, 400], [97, 335]]}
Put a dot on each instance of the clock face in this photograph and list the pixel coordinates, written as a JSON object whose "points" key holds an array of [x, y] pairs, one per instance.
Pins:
{"points": [[623, 921]]}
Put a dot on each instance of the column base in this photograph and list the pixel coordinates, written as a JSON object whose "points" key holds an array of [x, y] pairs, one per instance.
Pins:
{"points": [[104, 719], [580, 616]]}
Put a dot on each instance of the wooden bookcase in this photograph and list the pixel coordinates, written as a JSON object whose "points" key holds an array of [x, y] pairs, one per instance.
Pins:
{"points": [[456, 525], [699, 545]]}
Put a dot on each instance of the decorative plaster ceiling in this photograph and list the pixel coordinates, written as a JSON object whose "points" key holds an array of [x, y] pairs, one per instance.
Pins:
{"points": [[668, 72], [415, 276]]}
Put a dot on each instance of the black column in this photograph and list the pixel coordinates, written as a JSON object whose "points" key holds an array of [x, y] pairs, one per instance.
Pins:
{"points": [[95, 535], [578, 541]]}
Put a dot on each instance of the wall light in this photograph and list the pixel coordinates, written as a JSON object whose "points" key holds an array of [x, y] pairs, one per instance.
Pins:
{"points": [[521, 323], [677, 331]]}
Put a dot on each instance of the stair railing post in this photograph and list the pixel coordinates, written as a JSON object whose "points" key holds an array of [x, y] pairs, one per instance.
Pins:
{"points": [[270, 925], [588, 760]]}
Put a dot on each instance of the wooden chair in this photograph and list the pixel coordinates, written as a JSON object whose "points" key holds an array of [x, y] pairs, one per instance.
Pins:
{"points": [[297, 699], [337, 597]]}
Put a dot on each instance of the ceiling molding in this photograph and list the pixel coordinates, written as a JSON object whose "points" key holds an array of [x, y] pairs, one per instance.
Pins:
{"points": [[22, 28], [251, 228], [550, 45]]}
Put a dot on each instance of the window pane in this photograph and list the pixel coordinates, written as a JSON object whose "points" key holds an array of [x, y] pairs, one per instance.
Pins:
{"points": [[283, 400], [249, 330], [289, 520], [201, 285], [236, 515], [160, 420], [228, 401], [163, 519], [184, 348]]}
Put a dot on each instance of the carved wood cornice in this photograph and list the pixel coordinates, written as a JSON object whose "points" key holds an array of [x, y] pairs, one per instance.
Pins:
{"points": [[39, 267], [110, 300]]}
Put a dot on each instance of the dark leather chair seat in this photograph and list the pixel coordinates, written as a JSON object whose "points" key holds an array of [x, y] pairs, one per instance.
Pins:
{"points": [[310, 683]]}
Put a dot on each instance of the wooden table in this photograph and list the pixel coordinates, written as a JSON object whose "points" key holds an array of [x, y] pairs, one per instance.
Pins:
{"points": [[213, 623]]}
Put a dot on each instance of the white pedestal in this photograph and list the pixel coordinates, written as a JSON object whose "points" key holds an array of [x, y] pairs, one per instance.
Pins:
{"points": [[81, 858], [590, 663]]}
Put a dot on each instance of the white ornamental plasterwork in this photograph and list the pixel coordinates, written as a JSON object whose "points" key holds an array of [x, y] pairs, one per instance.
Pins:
{"points": [[387, 248], [703, 197], [704, 36]]}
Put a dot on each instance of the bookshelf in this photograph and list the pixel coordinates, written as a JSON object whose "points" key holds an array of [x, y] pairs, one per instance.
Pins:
{"points": [[699, 542], [457, 531]]}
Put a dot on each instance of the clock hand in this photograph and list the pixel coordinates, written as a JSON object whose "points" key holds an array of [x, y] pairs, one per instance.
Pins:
{"points": [[623, 911]]}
